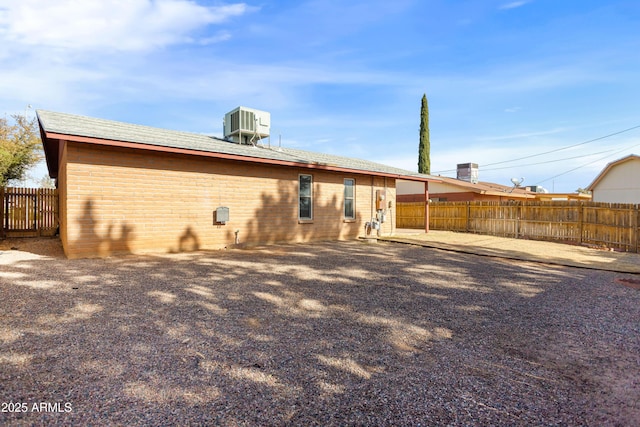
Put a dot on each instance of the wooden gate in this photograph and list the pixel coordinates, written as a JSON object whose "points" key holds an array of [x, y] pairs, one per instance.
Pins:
{"points": [[28, 212]]}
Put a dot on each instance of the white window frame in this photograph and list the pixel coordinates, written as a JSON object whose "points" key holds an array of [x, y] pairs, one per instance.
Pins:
{"points": [[310, 196], [353, 198]]}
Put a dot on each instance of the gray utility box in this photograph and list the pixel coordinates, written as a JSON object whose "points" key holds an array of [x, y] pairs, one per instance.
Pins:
{"points": [[222, 215]]}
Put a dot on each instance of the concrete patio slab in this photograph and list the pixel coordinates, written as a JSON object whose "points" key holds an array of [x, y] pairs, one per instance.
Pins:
{"points": [[521, 249]]}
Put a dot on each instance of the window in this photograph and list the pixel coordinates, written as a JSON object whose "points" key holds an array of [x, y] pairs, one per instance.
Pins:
{"points": [[349, 199], [305, 193]]}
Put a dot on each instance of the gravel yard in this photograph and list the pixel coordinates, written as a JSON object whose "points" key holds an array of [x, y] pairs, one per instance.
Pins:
{"points": [[342, 333]]}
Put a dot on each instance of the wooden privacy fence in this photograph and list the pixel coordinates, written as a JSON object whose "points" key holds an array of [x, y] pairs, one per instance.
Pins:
{"points": [[611, 225], [410, 215], [28, 212]]}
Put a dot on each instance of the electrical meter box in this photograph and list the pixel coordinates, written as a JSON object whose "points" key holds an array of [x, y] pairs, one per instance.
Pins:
{"points": [[381, 196], [222, 215]]}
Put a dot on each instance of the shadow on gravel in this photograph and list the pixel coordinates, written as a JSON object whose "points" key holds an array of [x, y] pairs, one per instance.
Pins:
{"points": [[325, 334]]}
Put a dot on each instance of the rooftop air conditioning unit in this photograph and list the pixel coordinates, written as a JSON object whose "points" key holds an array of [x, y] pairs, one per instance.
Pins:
{"points": [[468, 172], [246, 125]]}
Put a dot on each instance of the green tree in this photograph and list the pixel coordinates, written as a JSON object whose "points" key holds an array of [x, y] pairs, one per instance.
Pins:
{"points": [[20, 147], [583, 191], [46, 182], [424, 156]]}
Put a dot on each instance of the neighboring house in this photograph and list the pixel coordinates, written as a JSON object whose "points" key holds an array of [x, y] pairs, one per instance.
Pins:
{"points": [[131, 188], [467, 188], [559, 197], [457, 190], [619, 182]]}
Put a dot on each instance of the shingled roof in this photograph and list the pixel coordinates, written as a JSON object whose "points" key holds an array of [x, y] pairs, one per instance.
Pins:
{"points": [[56, 127], [482, 187]]}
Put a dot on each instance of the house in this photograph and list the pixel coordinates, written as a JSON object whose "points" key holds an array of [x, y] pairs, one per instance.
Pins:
{"points": [[619, 182], [467, 188], [464, 188], [560, 197], [131, 188], [456, 190]]}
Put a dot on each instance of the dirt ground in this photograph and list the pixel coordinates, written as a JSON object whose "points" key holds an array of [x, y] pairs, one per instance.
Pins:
{"points": [[46, 246], [340, 333]]}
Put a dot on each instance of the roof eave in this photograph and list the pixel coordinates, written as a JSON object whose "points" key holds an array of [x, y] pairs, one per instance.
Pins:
{"points": [[51, 151], [608, 167]]}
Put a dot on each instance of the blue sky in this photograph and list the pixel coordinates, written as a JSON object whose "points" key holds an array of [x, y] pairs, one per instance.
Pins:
{"points": [[505, 79]]}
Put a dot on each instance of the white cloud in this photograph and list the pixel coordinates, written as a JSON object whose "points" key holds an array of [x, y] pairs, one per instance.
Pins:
{"points": [[118, 25], [528, 77], [272, 86], [513, 5], [219, 37], [522, 135]]}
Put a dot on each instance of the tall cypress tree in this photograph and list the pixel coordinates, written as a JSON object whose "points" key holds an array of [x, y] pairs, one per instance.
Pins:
{"points": [[424, 156]]}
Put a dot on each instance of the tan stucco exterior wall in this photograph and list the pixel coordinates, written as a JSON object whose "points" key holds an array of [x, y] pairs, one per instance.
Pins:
{"points": [[116, 200]]}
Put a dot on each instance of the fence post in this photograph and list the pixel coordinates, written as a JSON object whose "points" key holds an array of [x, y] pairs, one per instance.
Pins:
{"points": [[35, 211], [2, 231], [580, 222], [635, 223], [468, 221], [39, 221], [518, 214]]}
